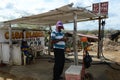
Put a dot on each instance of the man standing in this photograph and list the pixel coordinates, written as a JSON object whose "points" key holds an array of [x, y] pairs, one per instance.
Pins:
{"points": [[58, 42]]}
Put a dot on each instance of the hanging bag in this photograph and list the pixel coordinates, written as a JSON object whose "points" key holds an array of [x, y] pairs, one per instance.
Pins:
{"points": [[87, 60]]}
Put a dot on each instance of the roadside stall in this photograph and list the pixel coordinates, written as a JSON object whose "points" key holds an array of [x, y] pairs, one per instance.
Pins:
{"points": [[35, 40], [67, 14]]}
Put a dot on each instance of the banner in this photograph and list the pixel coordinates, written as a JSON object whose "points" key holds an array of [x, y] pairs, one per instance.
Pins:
{"points": [[18, 35]]}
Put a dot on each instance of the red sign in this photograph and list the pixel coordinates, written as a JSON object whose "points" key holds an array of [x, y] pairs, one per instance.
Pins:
{"points": [[96, 8], [104, 8], [100, 8]]}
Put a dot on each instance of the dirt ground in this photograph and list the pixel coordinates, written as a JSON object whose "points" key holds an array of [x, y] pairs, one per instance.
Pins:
{"points": [[41, 69], [105, 68]]}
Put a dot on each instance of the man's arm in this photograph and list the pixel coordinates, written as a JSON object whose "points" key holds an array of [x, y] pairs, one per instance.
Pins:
{"points": [[57, 40], [54, 40]]}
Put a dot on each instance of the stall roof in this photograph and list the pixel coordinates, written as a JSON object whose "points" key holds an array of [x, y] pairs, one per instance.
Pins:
{"points": [[64, 13], [91, 38]]}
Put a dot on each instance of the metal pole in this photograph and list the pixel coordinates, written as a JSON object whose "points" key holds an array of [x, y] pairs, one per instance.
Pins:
{"points": [[10, 44], [75, 40], [102, 39]]}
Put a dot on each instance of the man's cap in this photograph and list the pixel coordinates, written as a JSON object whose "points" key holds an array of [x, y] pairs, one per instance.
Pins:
{"points": [[59, 24]]}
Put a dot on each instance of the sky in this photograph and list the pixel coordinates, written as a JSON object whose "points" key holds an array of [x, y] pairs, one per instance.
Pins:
{"points": [[12, 9]]}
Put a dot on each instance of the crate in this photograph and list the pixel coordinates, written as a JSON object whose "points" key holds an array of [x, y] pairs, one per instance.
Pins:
{"points": [[73, 73]]}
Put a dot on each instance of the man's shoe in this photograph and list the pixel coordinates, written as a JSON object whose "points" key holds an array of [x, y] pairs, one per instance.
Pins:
{"points": [[61, 78]]}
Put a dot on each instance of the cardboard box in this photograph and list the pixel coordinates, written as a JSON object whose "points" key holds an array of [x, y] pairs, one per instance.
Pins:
{"points": [[73, 72]]}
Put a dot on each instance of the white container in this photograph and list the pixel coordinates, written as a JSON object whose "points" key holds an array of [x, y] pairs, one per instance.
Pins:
{"points": [[73, 73]]}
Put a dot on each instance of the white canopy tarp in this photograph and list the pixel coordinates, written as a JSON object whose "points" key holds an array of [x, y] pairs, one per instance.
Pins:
{"points": [[64, 13]]}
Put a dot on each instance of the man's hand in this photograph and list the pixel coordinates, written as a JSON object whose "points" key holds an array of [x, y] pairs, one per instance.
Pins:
{"points": [[64, 39]]}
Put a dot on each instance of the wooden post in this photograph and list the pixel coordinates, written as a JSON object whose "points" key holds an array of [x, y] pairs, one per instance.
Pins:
{"points": [[49, 44], [99, 39], [10, 44], [75, 40]]}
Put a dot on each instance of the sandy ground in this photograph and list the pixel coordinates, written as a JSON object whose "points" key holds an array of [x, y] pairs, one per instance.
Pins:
{"points": [[41, 69]]}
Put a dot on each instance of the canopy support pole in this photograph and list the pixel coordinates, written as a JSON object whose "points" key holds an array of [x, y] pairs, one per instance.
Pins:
{"points": [[99, 40], [10, 44], [49, 44], [75, 40]]}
